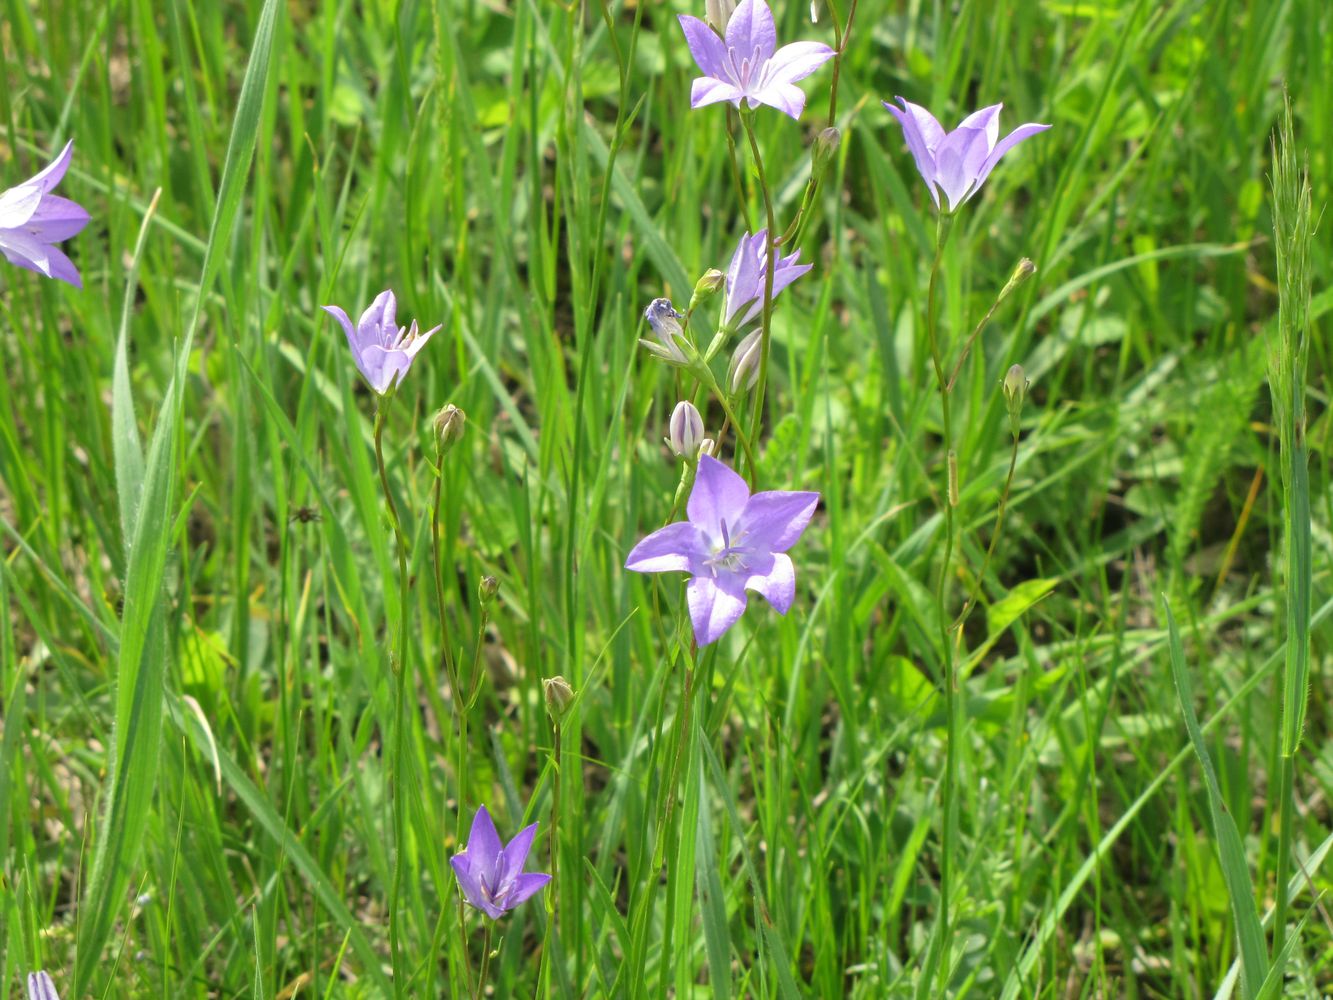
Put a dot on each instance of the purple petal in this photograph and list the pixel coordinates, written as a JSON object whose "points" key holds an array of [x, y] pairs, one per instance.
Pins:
{"points": [[56, 219], [525, 886], [17, 205], [469, 880], [774, 520], [418, 340], [923, 134], [1004, 145], [786, 97], [40, 987], [337, 313], [743, 274], [750, 29], [796, 61], [677, 547], [515, 855], [483, 843], [777, 585], [715, 605], [718, 495], [54, 172], [26, 251], [988, 120], [707, 90], [382, 367], [788, 271], [378, 318], [61, 267], [958, 162], [708, 50]]}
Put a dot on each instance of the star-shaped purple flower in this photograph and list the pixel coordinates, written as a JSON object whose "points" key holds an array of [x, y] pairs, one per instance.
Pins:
{"points": [[957, 162], [746, 276], [382, 350], [748, 65], [32, 221], [490, 874], [732, 542]]}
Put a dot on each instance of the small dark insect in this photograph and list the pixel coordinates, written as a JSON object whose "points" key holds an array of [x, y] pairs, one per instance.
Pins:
{"points": [[304, 515]]}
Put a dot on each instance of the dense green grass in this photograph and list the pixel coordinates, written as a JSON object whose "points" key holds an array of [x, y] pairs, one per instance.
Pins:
{"points": [[210, 783]]}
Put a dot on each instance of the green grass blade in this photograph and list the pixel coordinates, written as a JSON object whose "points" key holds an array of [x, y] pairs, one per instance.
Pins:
{"points": [[142, 661], [1230, 850]]}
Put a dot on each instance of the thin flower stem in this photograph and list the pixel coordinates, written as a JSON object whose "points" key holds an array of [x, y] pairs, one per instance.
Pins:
{"points": [[736, 167], [485, 963], [400, 669], [994, 539], [840, 37], [557, 758], [455, 688], [937, 958], [756, 420], [730, 414]]}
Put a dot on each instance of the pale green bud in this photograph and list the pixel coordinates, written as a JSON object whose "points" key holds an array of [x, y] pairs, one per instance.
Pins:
{"points": [[559, 696], [450, 423], [1015, 388]]}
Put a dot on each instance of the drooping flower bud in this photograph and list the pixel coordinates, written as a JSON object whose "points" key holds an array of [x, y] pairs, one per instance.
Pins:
{"points": [[559, 696], [487, 589], [685, 430], [708, 283], [1015, 388], [450, 423], [743, 371], [665, 321], [717, 13]]}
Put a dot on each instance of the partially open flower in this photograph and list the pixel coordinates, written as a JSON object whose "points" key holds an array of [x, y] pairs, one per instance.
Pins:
{"points": [[490, 874], [957, 163], [382, 350], [665, 322]]}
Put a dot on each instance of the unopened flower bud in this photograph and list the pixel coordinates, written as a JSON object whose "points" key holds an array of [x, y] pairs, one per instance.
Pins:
{"points": [[665, 321], [1015, 388], [743, 371], [685, 430], [717, 13], [826, 147], [708, 283], [707, 447], [450, 423], [487, 589], [559, 696]]}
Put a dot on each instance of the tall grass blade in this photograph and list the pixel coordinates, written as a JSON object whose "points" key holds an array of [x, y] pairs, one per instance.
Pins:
{"points": [[1230, 850], [142, 660]]}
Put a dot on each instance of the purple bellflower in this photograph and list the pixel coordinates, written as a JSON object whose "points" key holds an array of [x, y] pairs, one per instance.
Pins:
{"points": [[747, 274], [32, 221], [746, 65], [732, 542], [40, 987], [490, 874], [957, 163], [382, 350]]}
